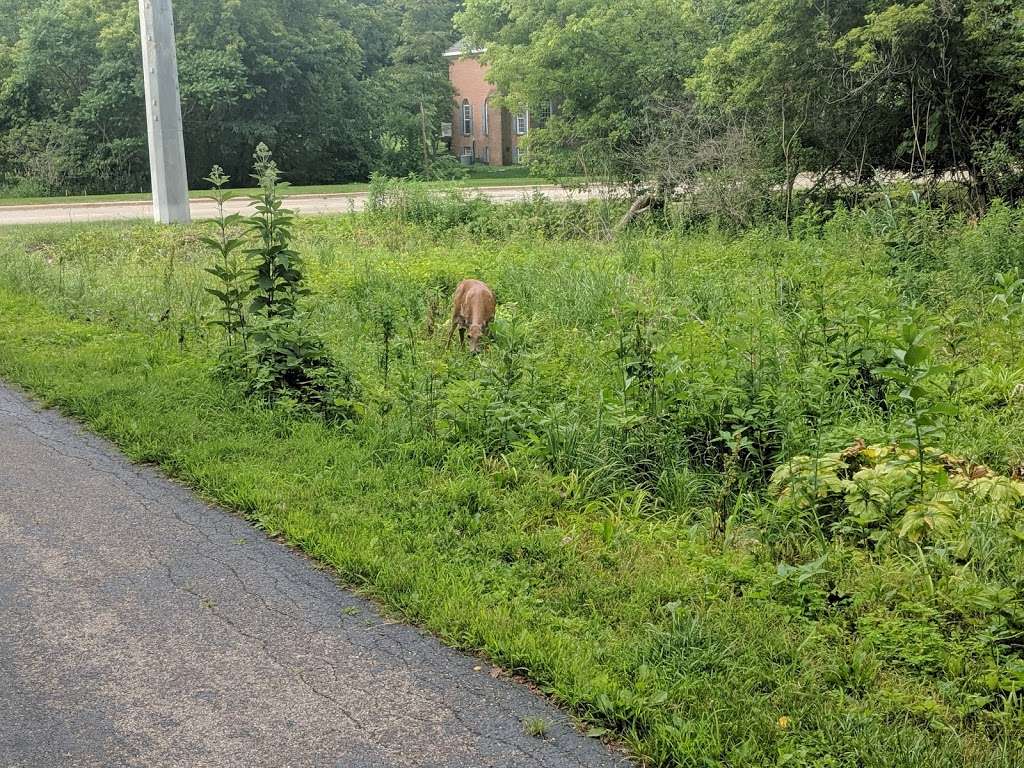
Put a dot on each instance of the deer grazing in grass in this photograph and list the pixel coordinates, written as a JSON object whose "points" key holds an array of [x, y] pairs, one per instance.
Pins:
{"points": [[472, 311]]}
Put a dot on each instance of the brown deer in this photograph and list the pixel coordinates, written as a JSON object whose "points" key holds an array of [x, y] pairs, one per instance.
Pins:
{"points": [[473, 310]]}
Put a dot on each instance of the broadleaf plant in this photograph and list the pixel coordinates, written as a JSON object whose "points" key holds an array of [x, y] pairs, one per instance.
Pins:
{"points": [[280, 357], [230, 270]]}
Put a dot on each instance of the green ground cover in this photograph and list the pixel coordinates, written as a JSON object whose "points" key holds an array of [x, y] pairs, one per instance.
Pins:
{"points": [[479, 176], [590, 502]]}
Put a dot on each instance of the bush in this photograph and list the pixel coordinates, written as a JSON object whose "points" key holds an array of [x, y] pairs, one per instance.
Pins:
{"points": [[445, 168], [406, 201], [871, 493], [269, 345], [453, 209], [287, 360]]}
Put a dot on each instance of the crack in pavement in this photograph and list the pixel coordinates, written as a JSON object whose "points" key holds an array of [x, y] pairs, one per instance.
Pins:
{"points": [[137, 631]]}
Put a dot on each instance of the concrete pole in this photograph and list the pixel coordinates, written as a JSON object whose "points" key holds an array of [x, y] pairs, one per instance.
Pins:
{"points": [[163, 112]]}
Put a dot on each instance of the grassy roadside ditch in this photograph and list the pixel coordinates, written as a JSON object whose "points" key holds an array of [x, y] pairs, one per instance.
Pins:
{"points": [[759, 644]]}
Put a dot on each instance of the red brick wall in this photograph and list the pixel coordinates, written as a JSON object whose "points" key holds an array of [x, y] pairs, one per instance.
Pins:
{"points": [[468, 78]]}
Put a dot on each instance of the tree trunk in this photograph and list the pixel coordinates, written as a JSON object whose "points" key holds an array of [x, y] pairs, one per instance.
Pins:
{"points": [[423, 127], [642, 204]]}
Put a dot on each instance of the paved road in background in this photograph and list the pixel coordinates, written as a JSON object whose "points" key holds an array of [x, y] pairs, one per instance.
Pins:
{"points": [[206, 209], [141, 627]]}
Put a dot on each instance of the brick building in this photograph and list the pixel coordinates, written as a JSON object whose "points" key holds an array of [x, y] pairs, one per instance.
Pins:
{"points": [[480, 131]]}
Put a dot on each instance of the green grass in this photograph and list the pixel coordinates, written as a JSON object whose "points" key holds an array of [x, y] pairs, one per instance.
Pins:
{"points": [[537, 727], [499, 172], [332, 189], [536, 504], [479, 176]]}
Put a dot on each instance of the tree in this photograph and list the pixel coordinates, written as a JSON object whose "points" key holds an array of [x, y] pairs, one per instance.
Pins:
{"points": [[411, 90], [948, 73], [600, 61], [841, 89], [322, 81]]}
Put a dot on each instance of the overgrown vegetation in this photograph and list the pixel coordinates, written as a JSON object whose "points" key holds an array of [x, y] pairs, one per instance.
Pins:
{"points": [[269, 345], [749, 499], [753, 93]]}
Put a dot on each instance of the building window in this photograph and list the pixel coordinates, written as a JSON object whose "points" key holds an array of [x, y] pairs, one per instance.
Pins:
{"points": [[467, 154], [487, 117], [467, 118], [487, 153], [522, 123], [544, 112]]}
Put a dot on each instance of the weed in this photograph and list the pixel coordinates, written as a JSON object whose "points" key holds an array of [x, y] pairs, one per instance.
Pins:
{"points": [[537, 727], [915, 373], [279, 357], [231, 272], [278, 278]]}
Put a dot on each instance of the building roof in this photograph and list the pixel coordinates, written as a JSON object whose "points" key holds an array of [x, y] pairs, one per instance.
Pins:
{"points": [[462, 48]]}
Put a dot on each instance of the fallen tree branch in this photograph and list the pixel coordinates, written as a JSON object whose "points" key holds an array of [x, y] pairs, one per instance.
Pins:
{"points": [[641, 205]]}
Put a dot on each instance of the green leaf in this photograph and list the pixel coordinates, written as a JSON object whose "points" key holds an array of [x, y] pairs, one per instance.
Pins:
{"points": [[658, 698], [916, 355]]}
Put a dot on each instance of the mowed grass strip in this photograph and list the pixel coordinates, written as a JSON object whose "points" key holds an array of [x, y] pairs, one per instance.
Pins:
{"points": [[686, 646]]}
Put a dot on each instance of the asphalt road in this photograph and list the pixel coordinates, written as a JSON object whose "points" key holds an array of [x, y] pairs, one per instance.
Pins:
{"points": [[142, 627], [206, 209]]}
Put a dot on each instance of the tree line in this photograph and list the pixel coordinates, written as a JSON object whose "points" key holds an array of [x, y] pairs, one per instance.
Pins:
{"points": [[339, 88], [844, 89], [745, 95]]}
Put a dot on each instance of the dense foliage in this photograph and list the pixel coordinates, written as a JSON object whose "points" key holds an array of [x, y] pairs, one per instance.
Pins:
{"points": [[737, 500], [338, 88], [270, 348], [740, 95], [845, 89]]}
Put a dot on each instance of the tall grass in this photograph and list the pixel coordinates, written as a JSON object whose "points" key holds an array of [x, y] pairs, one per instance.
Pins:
{"points": [[589, 502]]}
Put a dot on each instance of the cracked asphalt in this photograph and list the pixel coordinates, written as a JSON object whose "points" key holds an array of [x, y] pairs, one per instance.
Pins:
{"points": [[142, 627]]}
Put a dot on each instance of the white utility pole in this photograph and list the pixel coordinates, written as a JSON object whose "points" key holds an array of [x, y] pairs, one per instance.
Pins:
{"points": [[163, 113]]}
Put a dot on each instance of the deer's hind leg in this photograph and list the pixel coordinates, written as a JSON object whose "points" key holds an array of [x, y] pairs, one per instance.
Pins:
{"points": [[451, 331]]}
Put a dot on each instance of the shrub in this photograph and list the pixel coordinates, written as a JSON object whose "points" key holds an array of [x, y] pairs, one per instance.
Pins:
{"points": [[280, 357], [445, 168], [287, 360], [447, 209], [415, 202], [874, 492]]}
